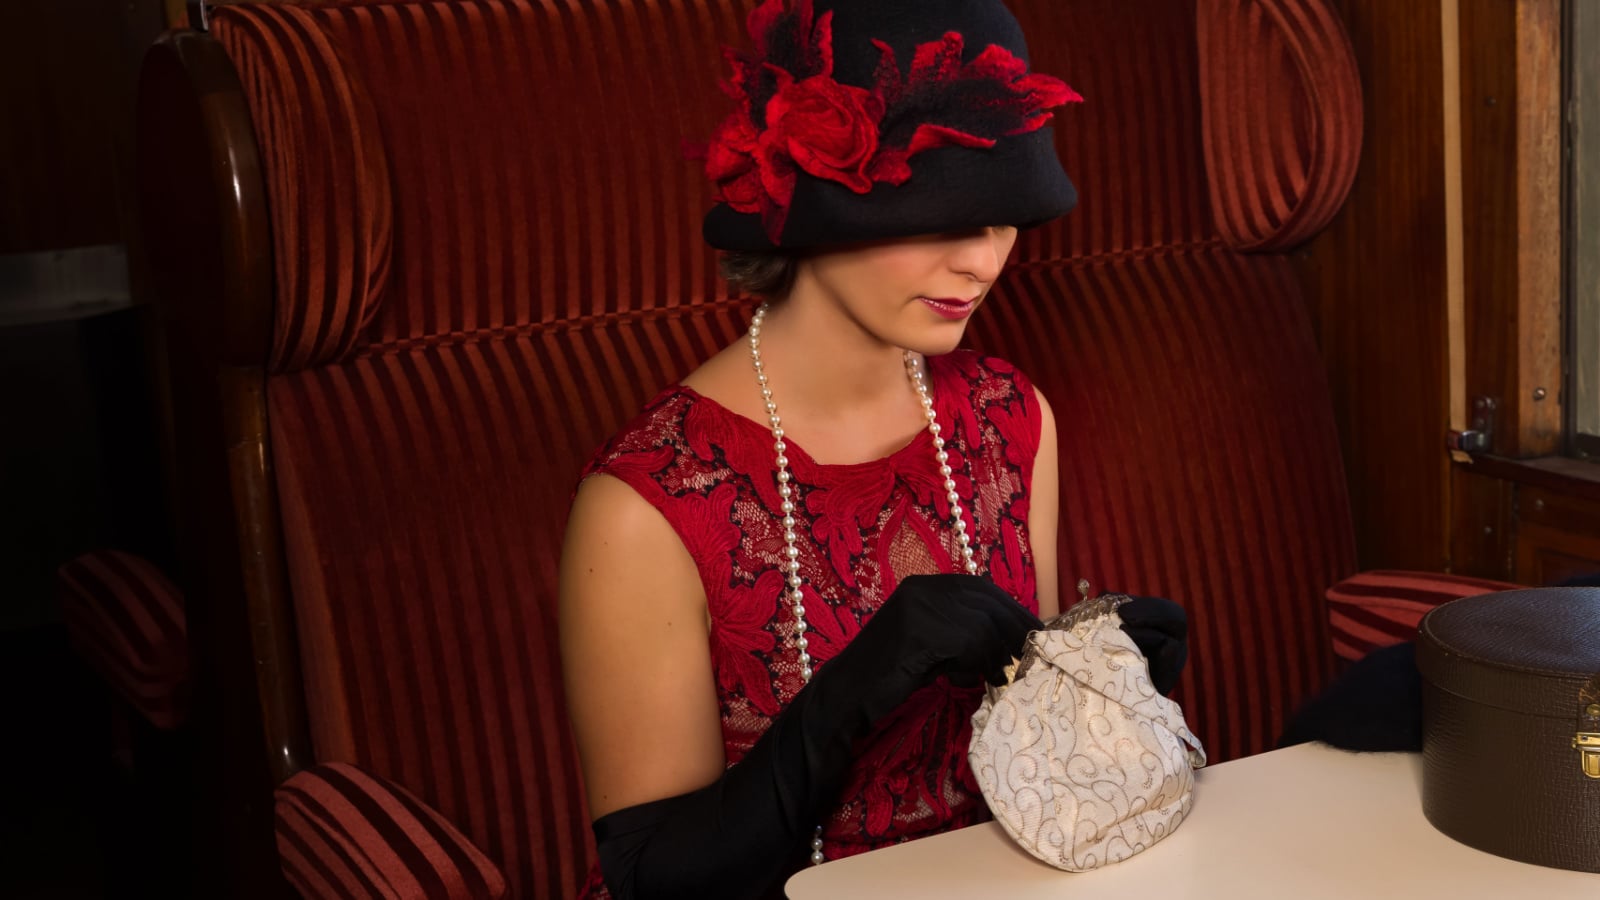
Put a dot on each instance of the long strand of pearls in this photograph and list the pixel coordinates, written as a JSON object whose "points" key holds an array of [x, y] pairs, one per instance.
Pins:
{"points": [[790, 564]]}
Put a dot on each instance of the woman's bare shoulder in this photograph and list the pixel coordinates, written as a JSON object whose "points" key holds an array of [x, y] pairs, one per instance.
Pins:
{"points": [[611, 521], [725, 377]]}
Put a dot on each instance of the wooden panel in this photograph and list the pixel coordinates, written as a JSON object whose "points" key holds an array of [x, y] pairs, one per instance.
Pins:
{"points": [[1583, 238], [1558, 536], [1537, 388], [1553, 519], [1511, 186], [1550, 556], [1481, 525], [1380, 281], [1577, 479], [206, 226], [66, 84], [1558, 510], [1376, 279]]}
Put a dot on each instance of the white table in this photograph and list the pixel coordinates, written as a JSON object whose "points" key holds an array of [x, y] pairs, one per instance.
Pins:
{"points": [[1305, 822]]}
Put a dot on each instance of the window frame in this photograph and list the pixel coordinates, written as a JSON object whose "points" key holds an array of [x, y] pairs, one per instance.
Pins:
{"points": [[1576, 261]]}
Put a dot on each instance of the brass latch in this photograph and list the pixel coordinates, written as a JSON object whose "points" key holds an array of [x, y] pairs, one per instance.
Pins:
{"points": [[1589, 744]]}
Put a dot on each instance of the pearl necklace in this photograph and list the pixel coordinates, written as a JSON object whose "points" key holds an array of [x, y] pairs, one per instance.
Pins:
{"points": [[790, 564]]}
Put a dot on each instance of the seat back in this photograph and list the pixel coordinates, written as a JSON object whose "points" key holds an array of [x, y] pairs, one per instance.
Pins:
{"points": [[1199, 459], [486, 257]]}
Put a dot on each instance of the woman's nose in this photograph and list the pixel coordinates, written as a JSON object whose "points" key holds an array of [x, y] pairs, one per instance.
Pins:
{"points": [[982, 253]]}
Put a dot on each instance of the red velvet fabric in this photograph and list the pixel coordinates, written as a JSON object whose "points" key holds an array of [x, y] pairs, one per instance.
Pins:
{"points": [[346, 835], [126, 620], [1384, 607], [546, 253], [548, 278], [328, 180], [1281, 98], [423, 494], [1199, 459]]}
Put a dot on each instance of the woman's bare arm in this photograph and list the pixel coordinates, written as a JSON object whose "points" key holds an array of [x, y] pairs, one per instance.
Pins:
{"points": [[635, 652], [1043, 512], [670, 820]]}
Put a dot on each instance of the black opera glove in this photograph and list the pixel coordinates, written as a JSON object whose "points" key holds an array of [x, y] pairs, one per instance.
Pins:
{"points": [[1160, 628], [737, 836]]}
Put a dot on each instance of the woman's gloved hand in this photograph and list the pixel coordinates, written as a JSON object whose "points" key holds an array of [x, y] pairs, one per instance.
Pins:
{"points": [[1160, 628], [932, 625], [735, 837]]}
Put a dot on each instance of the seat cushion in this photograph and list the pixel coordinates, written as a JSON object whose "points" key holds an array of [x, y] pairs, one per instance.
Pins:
{"points": [[1383, 607]]}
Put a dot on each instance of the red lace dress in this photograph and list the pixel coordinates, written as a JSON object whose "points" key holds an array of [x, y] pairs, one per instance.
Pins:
{"points": [[865, 526]]}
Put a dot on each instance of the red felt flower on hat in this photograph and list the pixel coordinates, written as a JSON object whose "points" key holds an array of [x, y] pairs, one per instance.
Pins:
{"points": [[818, 126], [793, 117], [943, 102], [828, 129]]}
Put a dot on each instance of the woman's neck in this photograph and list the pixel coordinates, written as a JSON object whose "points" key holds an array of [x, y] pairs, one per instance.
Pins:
{"points": [[825, 367]]}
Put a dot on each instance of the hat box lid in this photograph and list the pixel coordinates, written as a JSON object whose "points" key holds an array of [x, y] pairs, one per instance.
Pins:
{"points": [[1528, 651]]}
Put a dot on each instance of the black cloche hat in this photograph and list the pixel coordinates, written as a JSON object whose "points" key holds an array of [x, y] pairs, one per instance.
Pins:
{"points": [[860, 120]]}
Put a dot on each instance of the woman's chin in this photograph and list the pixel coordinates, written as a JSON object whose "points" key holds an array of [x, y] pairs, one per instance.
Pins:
{"points": [[936, 341]]}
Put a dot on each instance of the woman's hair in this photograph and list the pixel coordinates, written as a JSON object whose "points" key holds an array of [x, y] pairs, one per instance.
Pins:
{"points": [[760, 273]]}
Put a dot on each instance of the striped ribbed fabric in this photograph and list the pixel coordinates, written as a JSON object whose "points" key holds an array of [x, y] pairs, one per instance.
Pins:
{"points": [[548, 277], [346, 835], [540, 150], [1199, 459], [327, 180], [1383, 607], [1282, 103], [1132, 146], [126, 620], [426, 590]]}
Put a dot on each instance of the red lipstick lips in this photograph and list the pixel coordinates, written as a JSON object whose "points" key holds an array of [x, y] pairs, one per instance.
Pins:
{"points": [[950, 307]]}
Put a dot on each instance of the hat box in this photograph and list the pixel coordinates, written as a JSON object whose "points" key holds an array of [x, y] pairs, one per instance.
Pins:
{"points": [[1511, 724]]}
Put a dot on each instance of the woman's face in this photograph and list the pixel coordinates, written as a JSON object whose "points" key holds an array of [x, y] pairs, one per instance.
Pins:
{"points": [[914, 293]]}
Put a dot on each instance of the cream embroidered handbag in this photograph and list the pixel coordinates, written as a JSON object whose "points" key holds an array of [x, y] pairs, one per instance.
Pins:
{"points": [[1079, 758]]}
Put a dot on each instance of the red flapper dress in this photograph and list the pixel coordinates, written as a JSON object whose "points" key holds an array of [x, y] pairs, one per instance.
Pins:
{"points": [[863, 527]]}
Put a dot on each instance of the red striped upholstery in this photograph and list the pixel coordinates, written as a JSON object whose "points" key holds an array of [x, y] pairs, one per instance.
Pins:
{"points": [[1282, 118], [327, 177], [126, 620], [1382, 608], [1198, 451], [547, 277], [345, 835], [454, 573]]}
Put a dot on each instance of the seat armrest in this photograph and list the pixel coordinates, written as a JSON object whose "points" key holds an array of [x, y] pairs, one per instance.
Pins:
{"points": [[343, 832], [125, 619], [1382, 608]]}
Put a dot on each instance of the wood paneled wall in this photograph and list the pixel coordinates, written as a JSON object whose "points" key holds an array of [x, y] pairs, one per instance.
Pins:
{"points": [[1376, 279], [1511, 217], [1439, 282]]}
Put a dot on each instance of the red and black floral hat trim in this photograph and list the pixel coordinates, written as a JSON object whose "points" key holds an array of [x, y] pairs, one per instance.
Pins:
{"points": [[799, 135]]}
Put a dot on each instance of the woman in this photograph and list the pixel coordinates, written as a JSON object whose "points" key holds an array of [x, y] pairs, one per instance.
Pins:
{"points": [[784, 583]]}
